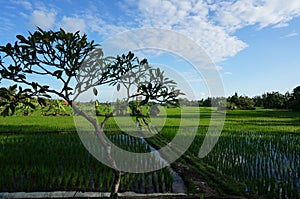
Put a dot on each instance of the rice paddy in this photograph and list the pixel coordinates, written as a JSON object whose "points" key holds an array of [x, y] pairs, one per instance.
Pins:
{"points": [[258, 148]]}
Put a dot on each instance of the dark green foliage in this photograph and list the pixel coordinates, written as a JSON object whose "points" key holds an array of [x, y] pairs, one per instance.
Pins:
{"points": [[269, 100], [279, 101], [58, 55], [102, 109], [206, 102], [240, 102], [55, 108], [274, 100], [295, 99], [12, 98], [133, 105]]}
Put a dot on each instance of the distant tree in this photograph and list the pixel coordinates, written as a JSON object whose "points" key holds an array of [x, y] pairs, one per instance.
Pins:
{"points": [[102, 108], [234, 101], [295, 99], [55, 108], [258, 101], [287, 99], [27, 106], [274, 100], [207, 102], [246, 103], [240, 102]]}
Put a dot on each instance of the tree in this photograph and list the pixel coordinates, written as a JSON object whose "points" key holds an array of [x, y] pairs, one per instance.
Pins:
{"points": [[55, 107], [258, 101], [295, 99], [27, 106], [240, 102], [144, 85], [59, 57], [274, 100]]}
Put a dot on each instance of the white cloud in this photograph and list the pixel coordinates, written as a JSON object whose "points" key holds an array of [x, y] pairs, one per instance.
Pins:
{"points": [[191, 19], [227, 73], [210, 24], [281, 25], [101, 26], [292, 34], [276, 13], [26, 4], [43, 19], [73, 24]]}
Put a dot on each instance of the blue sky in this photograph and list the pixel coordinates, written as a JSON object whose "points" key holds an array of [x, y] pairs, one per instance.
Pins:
{"points": [[255, 44]]}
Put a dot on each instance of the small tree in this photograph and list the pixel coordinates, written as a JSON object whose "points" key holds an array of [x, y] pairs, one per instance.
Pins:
{"points": [[58, 57], [55, 108], [27, 106]]}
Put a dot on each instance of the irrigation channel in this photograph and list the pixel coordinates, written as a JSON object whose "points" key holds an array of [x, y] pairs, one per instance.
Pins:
{"points": [[162, 181], [178, 185]]}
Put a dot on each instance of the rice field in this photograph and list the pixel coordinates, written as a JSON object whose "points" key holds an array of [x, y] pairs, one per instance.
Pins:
{"points": [[259, 148], [55, 161]]}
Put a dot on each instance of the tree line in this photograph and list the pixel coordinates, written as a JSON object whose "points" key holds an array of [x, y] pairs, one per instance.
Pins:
{"points": [[269, 100]]}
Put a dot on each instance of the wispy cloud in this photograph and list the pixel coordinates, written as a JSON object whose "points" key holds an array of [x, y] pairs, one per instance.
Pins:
{"points": [[26, 4], [227, 73], [292, 34]]}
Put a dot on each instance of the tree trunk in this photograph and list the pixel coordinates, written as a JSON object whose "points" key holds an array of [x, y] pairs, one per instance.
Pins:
{"points": [[116, 184], [98, 131]]}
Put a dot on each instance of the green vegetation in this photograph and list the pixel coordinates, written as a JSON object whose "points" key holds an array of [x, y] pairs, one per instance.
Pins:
{"points": [[64, 58], [257, 148], [59, 161]]}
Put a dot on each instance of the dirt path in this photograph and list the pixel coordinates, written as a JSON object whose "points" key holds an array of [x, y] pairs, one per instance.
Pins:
{"points": [[198, 183]]}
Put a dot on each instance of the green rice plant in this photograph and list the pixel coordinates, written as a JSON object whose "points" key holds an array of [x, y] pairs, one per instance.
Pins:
{"points": [[74, 179], [146, 182], [259, 160], [57, 161], [167, 179], [59, 181], [154, 181], [109, 178], [86, 182], [81, 180], [159, 180]]}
